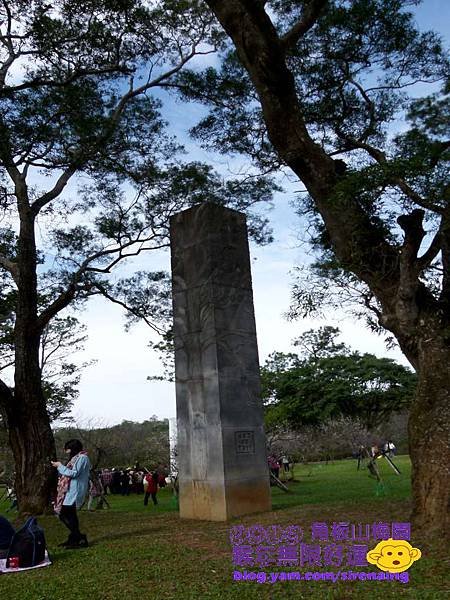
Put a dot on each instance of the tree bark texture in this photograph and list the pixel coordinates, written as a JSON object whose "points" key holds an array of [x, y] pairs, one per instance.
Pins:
{"points": [[409, 310], [429, 437]]}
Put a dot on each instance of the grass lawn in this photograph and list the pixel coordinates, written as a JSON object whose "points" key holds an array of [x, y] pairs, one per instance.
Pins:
{"points": [[148, 552]]}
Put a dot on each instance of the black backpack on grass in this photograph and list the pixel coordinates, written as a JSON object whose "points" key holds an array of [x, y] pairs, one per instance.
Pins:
{"points": [[6, 535], [28, 545]]}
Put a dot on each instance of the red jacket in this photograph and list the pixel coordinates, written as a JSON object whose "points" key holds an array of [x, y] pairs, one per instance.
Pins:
{"points": [[152, 484]]}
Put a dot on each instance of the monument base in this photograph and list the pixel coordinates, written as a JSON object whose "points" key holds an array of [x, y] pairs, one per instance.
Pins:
{"points": [[208, 501]]}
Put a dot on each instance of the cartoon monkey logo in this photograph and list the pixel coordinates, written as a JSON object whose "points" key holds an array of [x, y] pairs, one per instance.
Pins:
{"points": [[393, 556]]}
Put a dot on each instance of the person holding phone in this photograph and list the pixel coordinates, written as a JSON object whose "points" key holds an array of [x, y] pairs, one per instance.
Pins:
{"points": [[72, 488]]}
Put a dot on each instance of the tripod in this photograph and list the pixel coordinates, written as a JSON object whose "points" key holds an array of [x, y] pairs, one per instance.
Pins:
{"points": [[372, 465]]}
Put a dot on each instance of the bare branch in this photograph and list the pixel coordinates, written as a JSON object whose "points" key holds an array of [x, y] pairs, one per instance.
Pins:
{"points": [[8, 364], [129, 309], [66, 297], [370, 105], [121, 256], [151, 83], [311, 14], [399, 86]]}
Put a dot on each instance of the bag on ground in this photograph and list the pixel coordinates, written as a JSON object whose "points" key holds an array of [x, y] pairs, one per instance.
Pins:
{"points": [[6, 535], [27, 548]]}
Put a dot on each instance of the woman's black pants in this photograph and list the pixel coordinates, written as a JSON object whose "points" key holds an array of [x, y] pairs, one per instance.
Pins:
{"points": [[147, 494], [68, 516]]}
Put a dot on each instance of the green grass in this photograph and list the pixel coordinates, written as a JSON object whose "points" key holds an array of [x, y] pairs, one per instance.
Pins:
{"points": [[148, 552], [320, 483]]}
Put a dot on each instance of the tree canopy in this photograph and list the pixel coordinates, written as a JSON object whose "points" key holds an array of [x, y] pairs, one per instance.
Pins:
{"points": [[79, 103], [88, 166], [328, 383]]}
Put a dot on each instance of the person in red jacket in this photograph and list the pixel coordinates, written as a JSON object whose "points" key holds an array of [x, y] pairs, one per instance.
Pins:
{"points": [[151, 487]]}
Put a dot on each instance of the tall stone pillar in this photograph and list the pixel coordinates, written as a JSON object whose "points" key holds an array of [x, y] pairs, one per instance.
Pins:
{"points": [[221, 449]]}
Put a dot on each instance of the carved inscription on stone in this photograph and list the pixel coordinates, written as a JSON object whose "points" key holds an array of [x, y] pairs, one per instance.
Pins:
{"points": [[244, 442]]}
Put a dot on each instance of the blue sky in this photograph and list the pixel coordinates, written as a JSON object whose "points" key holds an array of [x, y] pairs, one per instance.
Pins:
{"points": [[116, 387]]}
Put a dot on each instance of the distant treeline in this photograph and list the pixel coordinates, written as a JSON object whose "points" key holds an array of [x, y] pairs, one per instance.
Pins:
{"points": [[121, 445]]}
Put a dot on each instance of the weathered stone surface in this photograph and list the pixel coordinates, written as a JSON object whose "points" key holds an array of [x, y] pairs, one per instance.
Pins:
{"points": [[221, 444]]}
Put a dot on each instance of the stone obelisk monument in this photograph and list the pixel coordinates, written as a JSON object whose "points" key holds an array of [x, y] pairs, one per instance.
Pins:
{"points": [[221, 449]]}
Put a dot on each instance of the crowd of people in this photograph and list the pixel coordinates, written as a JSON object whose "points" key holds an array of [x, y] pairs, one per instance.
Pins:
{"points": [[125, 482], [129, 481]]}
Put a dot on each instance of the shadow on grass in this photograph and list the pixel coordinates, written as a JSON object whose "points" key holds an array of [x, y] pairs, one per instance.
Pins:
{"points": [[129, 534]]}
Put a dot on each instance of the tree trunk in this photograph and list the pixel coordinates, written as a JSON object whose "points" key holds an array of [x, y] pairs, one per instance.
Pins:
{"points": [[429, 439], [29, 429], [30, 436]]}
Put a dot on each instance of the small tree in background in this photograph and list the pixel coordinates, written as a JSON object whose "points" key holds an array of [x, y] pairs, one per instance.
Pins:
{"points": [[330, 381]]}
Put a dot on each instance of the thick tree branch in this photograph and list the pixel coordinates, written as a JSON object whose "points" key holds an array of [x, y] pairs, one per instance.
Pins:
{"points": [[414, 234], [56, 190], [7, 42], [259, 49], [411, 293], [311, 13], [445, 246], [61, 302], [78, 74], [7, 159]]}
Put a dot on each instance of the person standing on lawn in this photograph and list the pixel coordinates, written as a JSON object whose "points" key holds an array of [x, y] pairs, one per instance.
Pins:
{"points": [[285, 463], [151, 487], [96, 490], [107, 478], [274, 465], [72, 488]]}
